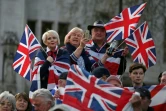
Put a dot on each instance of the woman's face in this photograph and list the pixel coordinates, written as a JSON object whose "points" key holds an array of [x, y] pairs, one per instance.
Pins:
{"points": [[5, 105], [21, 104], [75, 38], [51, 41]]}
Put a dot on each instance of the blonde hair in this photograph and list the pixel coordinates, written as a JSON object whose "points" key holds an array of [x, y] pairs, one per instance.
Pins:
{"points": [[75, 29], [45, 35]]}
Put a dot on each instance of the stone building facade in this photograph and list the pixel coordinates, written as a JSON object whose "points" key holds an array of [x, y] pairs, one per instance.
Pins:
{"points": [[62, 15]]}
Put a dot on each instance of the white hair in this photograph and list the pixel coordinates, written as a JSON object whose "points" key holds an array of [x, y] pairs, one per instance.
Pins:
{"points": [[45, 35], [46, 94], [10, 97]]}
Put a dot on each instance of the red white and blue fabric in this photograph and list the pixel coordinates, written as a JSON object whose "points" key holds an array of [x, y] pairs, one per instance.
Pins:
{"points": [[60, 65], [26, 51], [121, 26], [85, 92], [112, 63], [141, 46], [158, 96]]}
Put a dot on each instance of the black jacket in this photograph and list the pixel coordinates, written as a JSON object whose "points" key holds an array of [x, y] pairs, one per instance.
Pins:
{"points": [[44, 72]]}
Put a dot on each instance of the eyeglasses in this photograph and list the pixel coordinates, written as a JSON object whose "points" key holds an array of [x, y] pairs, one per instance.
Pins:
{"points": [[3, 104]]}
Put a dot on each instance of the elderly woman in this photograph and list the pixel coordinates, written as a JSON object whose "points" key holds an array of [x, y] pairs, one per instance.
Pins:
{"points": [[51, 63], [7, 101], [75, 43], [22, 102]]}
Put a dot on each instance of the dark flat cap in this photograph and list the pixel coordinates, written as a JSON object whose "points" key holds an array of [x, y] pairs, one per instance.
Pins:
{"points": [[143, 92], [100, 71]]}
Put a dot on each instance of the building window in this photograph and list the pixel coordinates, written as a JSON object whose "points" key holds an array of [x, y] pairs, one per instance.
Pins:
{"points": [[45, 27], [32, 25], [62, 31]]}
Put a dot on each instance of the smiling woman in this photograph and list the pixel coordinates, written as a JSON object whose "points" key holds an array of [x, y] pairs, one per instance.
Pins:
{"points": [[7, 101], [75, 43], [22, 102], [46, 62]]}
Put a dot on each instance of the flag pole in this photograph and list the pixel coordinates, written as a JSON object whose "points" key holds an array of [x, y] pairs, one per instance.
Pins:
{"points": [[120, 43], [43, 50]]}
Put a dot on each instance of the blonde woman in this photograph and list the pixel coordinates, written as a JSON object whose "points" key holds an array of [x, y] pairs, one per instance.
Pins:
{"points": [[54, 63], [75, 43]]}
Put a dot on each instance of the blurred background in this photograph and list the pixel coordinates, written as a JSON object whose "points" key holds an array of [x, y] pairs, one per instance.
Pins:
{"points": [[63, 15]]}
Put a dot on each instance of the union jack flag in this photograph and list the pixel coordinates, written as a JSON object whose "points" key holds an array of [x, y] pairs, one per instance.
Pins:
{"points": [[25, 53], [141, 46], [86, 93], [121, 26], [158, 96]]}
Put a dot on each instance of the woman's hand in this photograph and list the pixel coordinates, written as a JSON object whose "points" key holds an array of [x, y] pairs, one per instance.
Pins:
{"points": [[50, 59], [83, 42]]}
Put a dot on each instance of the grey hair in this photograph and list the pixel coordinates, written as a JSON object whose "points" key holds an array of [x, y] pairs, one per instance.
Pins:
{"points": [[10, 97], [164, 73], [46, 94], [45, 35]]}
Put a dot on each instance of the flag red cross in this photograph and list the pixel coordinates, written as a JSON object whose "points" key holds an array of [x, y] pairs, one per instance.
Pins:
{"points": [[126, 22], [91, 89], [141, 46]]}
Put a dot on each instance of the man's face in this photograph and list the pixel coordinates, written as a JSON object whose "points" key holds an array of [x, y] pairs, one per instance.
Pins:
{"points": [[137, 76], [98, 34], [40, 104], [145, 102], [163, 80]]}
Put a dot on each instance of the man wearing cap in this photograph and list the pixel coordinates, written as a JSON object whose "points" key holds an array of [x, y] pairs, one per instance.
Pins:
{"points": [[145, 99], [97, 47], [137, 74], [101, 73]]}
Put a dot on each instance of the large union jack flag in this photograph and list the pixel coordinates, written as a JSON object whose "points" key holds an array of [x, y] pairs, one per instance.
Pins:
{"points": [[121, 26], [25, 53], [141, 46], [86, 93], [158, 96]]}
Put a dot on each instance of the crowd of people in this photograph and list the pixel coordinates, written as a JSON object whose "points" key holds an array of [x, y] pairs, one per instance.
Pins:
{"points": [[91, 55]]}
